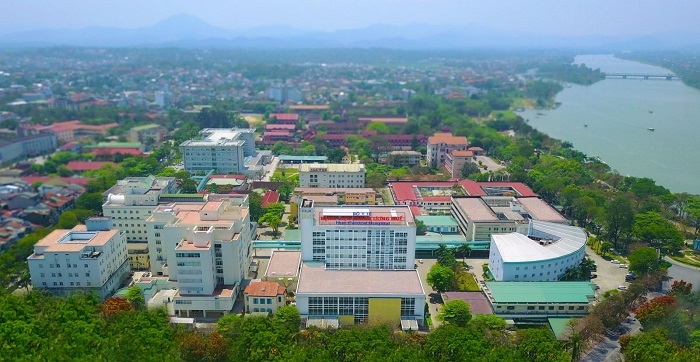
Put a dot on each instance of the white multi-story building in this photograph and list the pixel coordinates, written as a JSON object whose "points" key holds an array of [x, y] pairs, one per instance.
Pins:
{"points": [[221, 149], [442, 144], [548, 250], [375, 237], [480, 217], [132, 200], [89, 258], [335, 175], [205, 248]]}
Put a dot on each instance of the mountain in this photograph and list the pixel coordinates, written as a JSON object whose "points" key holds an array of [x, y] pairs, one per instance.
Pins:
{"points": [[189, 31]]}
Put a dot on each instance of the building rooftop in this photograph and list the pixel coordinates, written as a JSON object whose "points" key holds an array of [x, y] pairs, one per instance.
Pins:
{"points": [[283, 263], [219, 137], [474, 188], [541, 292], [540, 210], [556, 240], [331, 167], [478, 303], [333, 190], [264, 289], [447, 138], [388, 120], [315, 279], [475, 209], [442, 220], [408, 191], [284, 158], [74, 240]]}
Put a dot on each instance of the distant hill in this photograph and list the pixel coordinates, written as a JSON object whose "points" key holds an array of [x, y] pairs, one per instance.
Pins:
{"points": [[191, 32]]}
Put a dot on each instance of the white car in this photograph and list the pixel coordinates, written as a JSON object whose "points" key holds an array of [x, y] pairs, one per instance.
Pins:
{"points": [[622, 287], [623, 266], [420, 261], [615, 261]]}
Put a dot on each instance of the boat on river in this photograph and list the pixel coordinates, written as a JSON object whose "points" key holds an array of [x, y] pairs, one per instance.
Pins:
{"points": [[650, 129]]}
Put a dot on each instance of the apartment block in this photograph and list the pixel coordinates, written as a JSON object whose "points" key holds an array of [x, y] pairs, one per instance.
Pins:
{"points": [[220, 149], [442, 144], [87, 258], [334, 175]]}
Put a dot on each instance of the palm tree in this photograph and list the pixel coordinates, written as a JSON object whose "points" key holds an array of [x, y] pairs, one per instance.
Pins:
{"points": [[464, 250]]}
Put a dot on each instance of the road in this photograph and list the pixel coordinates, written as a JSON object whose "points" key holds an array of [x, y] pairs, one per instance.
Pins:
{"points": [[682, 272], [610, 276], [270, 168]]}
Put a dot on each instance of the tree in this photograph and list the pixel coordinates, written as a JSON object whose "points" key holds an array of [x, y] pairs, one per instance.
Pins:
{"points": [[135, 296], [619, 217], [272, 220], [335, 155], [440, 278], [90, 201], [287, 320], [420, 227], [464, 250], [286, 191], [660, 233], [456, 312], [644, 261], [275, 208], [188, 186], [606, 247], [468, 169], [380, 127]]}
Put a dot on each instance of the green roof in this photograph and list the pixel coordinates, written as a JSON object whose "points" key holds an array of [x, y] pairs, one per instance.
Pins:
{"points": [[146, 126], [541, 292], [292, 234], [302, 158], [559, 326], [437, 220]]}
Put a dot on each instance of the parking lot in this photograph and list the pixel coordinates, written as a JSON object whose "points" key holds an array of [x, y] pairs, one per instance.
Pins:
{"points": [[610, 276]]}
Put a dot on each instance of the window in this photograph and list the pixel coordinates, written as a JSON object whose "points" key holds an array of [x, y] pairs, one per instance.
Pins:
{"points": [[571, 307], [561, 307], [530, 307], [269, 300], [255, 300], [510, 307], [540, 307]]}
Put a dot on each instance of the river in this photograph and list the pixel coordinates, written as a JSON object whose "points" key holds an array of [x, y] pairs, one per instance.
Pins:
{"points": [[612, 119]]}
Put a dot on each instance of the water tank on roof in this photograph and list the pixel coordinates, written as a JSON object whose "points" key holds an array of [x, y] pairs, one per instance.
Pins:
{"points": [[116, 199]]}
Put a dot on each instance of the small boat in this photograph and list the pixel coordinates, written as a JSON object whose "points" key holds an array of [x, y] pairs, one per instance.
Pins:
{"points": [[585, 125], [650, 129], [651, 111]]}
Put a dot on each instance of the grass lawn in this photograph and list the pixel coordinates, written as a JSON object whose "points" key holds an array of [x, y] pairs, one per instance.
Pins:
{"points": [[466, 282], [689, 258], [289, 173], [253, 121]]}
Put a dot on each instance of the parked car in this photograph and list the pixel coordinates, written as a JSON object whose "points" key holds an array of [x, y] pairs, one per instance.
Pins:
{"points": [[615, 261], [593, 275], [594, 267], [622, 287], [630, 277], [623, 266]]}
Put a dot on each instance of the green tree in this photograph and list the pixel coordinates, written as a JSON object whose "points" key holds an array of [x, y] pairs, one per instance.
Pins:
{"points": [[440, 278], [658, 231], [469, 169], [188, 186], [380, 127], [286, 191], [335, 155], [136, 297], [90, 201], [420, 227], [644, 261], [606, 247], [619, 217], [650, 346], [464, 250], [287, 320], [456, 312]]}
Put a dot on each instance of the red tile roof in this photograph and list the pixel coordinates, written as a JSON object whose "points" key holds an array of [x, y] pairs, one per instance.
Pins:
{"points": [[447, 138], [270, 197], [462, 153], [285, 116], [403, 191], [415, 210], [474, 188], [264, 289], [270, 127], [82, 181]]}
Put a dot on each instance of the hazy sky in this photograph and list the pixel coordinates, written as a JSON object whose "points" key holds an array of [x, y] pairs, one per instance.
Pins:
{"points": [[557, 17]]}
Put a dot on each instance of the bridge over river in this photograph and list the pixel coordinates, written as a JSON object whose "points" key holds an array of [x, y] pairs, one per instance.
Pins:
{"points": [[642, 76]]}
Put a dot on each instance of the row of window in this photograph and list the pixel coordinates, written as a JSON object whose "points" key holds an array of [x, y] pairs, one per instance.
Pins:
{"points": [[541, 307], [70, 275], [60, 284]]}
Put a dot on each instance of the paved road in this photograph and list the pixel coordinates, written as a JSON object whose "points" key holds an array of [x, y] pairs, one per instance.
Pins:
{"points": [[683, 272], [490, 164], [423, 269], [608, 350], [270, 168]]}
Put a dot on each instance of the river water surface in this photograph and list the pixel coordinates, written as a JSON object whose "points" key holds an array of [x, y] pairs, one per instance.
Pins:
{"points": [[612, 119]]}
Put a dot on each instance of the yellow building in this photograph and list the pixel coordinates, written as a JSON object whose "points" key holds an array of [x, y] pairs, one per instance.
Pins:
{"points": [[138, 256]]}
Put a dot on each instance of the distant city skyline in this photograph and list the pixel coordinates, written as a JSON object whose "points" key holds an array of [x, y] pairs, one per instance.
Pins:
{"points": [[540, 17]]}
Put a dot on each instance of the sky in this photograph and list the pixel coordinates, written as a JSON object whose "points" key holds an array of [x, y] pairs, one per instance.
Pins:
{"points": [[542, 17]]}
